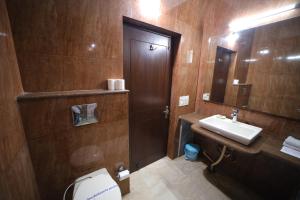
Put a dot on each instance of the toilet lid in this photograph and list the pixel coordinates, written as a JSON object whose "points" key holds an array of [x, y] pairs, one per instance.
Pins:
{"points": [[99, 187]]}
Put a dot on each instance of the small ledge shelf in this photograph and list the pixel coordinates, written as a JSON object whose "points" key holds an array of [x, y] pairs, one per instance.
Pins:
{"points": [[62, 94], [242, 84]]}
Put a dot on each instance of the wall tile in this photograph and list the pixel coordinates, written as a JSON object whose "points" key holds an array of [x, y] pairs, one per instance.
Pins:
{"points": [[62, 152], [17, 179]]}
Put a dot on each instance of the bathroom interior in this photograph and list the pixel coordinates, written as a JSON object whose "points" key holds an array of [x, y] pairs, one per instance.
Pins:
{"points": [[149, 99]]}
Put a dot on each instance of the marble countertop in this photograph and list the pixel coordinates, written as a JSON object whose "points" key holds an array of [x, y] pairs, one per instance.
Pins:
{"points": [[265, 143]]}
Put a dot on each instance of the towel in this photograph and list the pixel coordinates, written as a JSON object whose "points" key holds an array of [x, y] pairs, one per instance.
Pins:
{"points": [[292, 143]]}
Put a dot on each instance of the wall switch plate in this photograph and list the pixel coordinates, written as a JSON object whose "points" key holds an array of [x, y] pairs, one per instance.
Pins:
{"points": [[189, 56], [235, 81], [206, 96], [183, 100]]}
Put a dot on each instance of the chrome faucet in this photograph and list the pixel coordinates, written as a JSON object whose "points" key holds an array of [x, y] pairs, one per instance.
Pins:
{"points": [[234, 114]]}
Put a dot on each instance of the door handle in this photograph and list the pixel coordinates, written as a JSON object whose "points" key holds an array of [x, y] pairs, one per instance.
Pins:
{"points": [[166, 112]]}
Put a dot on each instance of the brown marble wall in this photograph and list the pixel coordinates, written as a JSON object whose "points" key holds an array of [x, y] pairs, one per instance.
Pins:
{"points": [[17, 179], [62, 152], [219, 14], [72, 45], [53, 42]]}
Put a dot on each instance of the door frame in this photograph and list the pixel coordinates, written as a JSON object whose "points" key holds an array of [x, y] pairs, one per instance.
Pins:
{"points": [[175, 40], [231, 53]]}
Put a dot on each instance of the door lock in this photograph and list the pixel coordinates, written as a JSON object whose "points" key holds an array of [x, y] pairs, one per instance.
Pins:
{"points": [[166, 112]]}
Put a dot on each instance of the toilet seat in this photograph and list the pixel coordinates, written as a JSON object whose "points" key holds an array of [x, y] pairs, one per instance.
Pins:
{"points": [[96, 185]]}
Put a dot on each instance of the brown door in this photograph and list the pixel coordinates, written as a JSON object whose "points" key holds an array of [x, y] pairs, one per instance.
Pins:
{"points": [[220, 76], [147, 73]]}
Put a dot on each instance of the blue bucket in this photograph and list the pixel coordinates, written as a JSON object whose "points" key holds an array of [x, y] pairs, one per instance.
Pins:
{"points": [[191, 151]]}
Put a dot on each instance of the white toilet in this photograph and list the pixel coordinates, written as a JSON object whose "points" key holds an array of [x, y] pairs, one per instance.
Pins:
{"points": [[96, 185]]}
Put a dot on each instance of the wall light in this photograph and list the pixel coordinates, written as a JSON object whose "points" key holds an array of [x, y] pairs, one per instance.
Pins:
{"points": [[209, 40], [278, 58], [91, 47], [252, 21], [232, 37], [295, 57], [251, 60], [264, 51], [150, 8]]}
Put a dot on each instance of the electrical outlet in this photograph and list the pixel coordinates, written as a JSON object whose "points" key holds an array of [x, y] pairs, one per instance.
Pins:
{"points": [[183, 101], [206, 96]]}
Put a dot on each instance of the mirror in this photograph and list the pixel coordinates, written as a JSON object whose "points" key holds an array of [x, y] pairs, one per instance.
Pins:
{"points": [[257, 69]]}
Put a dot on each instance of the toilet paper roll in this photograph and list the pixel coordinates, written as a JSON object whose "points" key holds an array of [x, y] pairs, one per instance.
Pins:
{"points": [[123, 175], [120, 84], [111, 84]]}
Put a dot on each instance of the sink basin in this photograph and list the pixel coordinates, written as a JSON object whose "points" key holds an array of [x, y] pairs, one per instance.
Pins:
{"points": [[237, 131]]}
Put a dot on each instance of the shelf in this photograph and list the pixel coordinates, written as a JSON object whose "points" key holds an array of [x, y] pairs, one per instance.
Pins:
{"points": [[242, 84], [192, 117], [272, 147], [72, 93]]}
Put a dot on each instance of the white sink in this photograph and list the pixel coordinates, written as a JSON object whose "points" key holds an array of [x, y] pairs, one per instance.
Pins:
{"points": [[237, 131]]}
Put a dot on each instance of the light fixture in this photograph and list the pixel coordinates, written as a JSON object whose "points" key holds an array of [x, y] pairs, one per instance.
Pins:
{"points": [[264, 51], [232, 37], [252, 21], [251, 60], [150, 8], [278, 58], [209, 40], [91, 47], [295, 57]]}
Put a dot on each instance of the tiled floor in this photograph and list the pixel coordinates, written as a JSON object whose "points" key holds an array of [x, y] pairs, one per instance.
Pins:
{"points": [[179, 179]]}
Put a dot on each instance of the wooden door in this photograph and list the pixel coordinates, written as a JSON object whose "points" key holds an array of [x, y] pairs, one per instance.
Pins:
{"points": [[147, 73], [220, 76]]}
